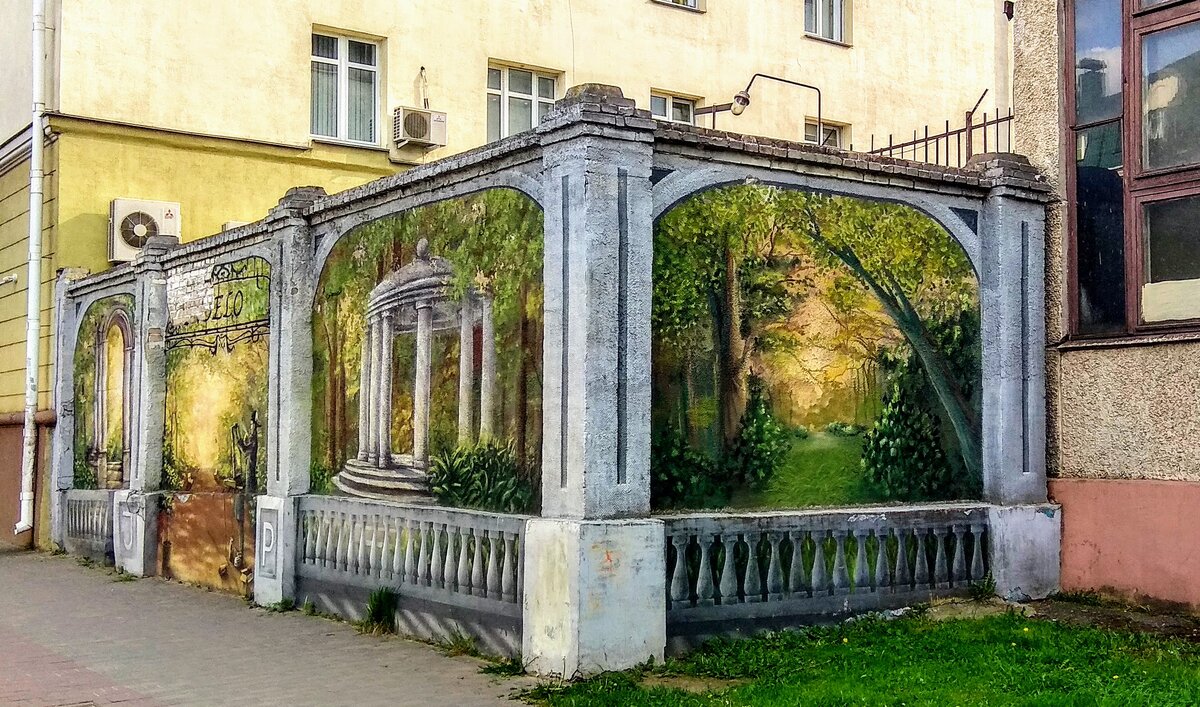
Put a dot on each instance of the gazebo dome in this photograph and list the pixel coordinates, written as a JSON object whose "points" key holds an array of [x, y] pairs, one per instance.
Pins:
{"points": [[424, 281]]}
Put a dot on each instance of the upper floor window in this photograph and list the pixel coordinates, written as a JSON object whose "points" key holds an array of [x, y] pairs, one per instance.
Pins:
{"points": [[827, 18], [831, 135], [690, 4], [1134, 252], [673, 108], [517, 100], [345, 88]]}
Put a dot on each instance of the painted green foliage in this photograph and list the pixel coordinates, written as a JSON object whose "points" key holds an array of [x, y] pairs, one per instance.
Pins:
{"points": [[96, 330], [778, 311], [493, 240], [216, 380]]}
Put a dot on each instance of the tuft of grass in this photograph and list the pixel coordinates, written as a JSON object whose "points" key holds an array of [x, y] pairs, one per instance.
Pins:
{"points": [[984, 589], [507, 667], [85, 562], [459, 643], [282, 606], [1002, 659], [380, 616], [1085, 597], [121, 575], [308, 608]]}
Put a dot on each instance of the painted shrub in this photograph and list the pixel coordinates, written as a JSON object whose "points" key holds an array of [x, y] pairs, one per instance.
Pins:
{"points": [[214, 451], [492, 243], [101, 446], [811, 350]]}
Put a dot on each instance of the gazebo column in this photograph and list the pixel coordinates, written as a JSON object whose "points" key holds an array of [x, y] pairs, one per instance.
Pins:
{"points": [[364, 396], [383, 412], [424, 364], [466, 371], [487, 372], [371, 362]]}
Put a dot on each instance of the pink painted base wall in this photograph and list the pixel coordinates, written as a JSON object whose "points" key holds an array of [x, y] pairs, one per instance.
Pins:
{"points": [[1139, 539]]}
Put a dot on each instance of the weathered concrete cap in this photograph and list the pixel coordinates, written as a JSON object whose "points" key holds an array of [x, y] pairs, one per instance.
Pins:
{"points": [[160, 244], [601, 93], [300, 197]]}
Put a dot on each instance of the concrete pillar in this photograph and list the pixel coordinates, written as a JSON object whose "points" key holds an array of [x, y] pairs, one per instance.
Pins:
{"points": [[487, 370], [421, 385], [466, 371], [594, 564], [1013, 331], [134, 509], [289, 416], [63, 456], [364, 398], [383, 409]]}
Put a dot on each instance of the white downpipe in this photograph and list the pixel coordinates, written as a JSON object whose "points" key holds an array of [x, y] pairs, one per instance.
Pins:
{"points": [[33, 313]]}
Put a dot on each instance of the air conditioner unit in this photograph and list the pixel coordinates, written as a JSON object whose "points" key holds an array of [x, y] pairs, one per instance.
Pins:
{"points": [[419, 126], [131, 222]]}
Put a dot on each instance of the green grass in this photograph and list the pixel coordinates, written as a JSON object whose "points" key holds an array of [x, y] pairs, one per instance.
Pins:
{"points": [[1000, 660], [822, 470]]}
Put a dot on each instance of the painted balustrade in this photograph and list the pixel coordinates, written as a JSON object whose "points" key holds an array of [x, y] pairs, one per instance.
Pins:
{"points": [[434, 553], [88, 522], [822, 561]]}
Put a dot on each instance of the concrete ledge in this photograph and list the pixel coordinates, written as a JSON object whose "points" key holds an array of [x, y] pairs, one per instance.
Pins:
{"points": [[1024, 543], [594, 596]]}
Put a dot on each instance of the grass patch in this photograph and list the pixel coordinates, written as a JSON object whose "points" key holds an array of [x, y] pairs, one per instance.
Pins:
{"points": [[380, 615], [823, 469], [459, 643], [282, 606], [998, 660], [1086, 598], [506, 667]]}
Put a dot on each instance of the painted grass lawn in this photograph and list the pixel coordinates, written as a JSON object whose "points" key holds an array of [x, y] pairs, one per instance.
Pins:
{"points": [[822, 470], [1000, 660]]}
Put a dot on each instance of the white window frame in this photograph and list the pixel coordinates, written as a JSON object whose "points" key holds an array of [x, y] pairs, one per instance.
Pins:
{"points": [[838, 130], [671, 100], [841, 21], [505, 93], [344, 65], [693, 5]]}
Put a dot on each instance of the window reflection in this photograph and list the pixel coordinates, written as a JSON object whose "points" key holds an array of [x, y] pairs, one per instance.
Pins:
{"points": [[1171, 97], [1100, 232], [1097, 60]]}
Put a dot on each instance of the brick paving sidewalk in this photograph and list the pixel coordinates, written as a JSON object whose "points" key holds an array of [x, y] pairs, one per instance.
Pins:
{"points": [[72, 635]]}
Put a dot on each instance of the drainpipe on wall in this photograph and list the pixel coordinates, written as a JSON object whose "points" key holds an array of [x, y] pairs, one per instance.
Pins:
{"points": [[33, 314]]}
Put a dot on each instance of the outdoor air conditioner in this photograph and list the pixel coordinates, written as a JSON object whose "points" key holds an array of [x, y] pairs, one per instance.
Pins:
{"points": [[131, 222], [419, 126]]}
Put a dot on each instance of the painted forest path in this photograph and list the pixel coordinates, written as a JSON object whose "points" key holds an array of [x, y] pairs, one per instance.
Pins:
{"points": [[73, 635]]}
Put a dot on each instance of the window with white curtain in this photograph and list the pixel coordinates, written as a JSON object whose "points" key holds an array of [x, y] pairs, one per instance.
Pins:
{"points": [[345, 89], [517, 99], [826, 18]]}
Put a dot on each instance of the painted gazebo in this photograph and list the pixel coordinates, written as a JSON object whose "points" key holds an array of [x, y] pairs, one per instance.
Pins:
{"points": [[416, 299]]}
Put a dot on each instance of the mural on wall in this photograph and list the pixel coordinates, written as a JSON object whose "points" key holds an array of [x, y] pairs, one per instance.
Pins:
{"points": [[214, 451], [398, 410], [811, 350], [103, 354]]}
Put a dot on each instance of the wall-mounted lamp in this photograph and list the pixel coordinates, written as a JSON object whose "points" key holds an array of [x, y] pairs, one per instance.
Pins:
{"points": [[742, 99]]}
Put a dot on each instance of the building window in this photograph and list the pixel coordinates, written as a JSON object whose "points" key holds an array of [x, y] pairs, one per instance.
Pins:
{"points": [[827, 19], [1134, 251], [345, 89], [831, 134], [517, 100], [673, 108]]}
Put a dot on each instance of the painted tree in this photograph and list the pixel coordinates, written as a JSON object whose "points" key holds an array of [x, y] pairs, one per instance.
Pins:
{"points": [[916, 271]]}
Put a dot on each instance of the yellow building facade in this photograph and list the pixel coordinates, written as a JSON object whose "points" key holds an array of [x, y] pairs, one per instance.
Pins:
{"points": [[211, 105]]}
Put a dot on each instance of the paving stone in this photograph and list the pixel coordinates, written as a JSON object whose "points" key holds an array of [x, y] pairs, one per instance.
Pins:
{"points": [[70, 635]]}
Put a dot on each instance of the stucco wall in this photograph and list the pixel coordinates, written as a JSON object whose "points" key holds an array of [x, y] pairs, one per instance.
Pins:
{"points": [[242, 69], [14, 254], [16, 24], [1116, 412]]}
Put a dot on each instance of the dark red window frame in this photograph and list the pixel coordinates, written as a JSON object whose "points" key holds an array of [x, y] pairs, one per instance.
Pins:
{"points": [[1141, 186]]}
